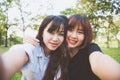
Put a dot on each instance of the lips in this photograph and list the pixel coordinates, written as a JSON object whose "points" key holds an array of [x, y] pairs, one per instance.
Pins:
{"points": [[54, 44], [73, 42]]}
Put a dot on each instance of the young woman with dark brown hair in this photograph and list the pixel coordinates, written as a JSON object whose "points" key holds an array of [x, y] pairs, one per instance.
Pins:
{"points": [[47, 61]]}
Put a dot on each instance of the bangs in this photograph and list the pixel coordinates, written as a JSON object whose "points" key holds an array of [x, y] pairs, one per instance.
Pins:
{"points": [[55, 25], [74, 22]]}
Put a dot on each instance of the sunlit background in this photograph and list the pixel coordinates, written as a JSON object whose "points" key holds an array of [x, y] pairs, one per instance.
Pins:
{"points": [[18, 15]]}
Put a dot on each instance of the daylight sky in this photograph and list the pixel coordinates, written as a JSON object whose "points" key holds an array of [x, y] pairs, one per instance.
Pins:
{"points": [[38, 7], [42, 7]]}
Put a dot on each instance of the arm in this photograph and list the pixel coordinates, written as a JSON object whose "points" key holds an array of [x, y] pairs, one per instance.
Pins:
{"points": [[1, 70], [105, 67], [14, 59]]}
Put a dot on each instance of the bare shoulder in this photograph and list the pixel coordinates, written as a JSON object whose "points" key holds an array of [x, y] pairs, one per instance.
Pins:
{"points": [[104, 66]]}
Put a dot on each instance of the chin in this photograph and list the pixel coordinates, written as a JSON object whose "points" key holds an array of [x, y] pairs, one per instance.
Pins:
{"points": [[72, 46], [52, 49]]}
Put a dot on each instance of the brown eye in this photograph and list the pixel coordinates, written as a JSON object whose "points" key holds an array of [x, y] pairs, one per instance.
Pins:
{"points": [[62, 33], [51, 32], [81, 32], [70, 29]]}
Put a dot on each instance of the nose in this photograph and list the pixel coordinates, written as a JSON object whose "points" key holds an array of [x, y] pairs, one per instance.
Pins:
{"points": [[74, 34], [55, 37]]}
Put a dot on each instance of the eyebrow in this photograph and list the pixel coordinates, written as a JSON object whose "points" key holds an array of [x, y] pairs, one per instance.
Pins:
{"points": [[80, 29]]}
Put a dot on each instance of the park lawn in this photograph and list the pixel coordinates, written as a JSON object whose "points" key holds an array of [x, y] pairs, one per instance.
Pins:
{"points": [[3, 49], [113, 52]]}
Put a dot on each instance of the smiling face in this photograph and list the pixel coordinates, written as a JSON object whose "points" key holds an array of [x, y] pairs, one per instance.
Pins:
{"points": [[75, 36], [52, 40], [80, 32]]}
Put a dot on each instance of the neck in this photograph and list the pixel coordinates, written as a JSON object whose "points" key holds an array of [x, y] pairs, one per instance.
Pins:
{"points": [[46, 51], [73, 51]]}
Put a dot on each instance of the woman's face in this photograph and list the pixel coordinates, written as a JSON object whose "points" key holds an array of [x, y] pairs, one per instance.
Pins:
{"points": [[53, 40], [75, 36]]}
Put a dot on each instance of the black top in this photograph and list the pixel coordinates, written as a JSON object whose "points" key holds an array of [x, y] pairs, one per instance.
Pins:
{"points": [[79, 67]]}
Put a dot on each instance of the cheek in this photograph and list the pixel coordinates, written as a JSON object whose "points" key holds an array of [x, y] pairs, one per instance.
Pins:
{"points": [[81, 38], [46, 37], [61, 39], [45, 40], [68, 33]]}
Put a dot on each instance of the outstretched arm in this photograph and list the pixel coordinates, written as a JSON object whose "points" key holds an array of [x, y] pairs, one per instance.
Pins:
{"points": [[13, 60], [105, 67]]}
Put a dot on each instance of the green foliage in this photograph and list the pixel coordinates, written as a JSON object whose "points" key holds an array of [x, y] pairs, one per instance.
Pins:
{"points": [[17, 76], [68, 11], [16, 40], [9, 1], [99, 12]]}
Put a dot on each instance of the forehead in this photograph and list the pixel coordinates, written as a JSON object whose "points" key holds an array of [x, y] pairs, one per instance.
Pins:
{"points": [[75, 23], [52, 26]]}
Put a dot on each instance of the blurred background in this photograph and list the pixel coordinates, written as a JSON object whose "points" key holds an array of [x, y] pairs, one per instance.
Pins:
{"points": [[18, 15]]}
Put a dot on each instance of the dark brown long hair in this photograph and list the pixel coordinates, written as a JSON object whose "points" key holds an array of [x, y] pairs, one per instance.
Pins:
{"points": [[59, 57], [83, 21]]}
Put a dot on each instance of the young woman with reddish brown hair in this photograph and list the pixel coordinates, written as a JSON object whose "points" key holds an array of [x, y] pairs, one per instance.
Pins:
{"points": [[87, 60]]}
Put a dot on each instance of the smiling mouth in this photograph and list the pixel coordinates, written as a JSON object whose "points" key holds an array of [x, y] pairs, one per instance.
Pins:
{"points": [[54, 44], [72, 42]]}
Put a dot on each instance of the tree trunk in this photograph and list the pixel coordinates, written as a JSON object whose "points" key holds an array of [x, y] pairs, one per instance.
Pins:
{"points": [[118, 43], [108, 41], [6, 41]]}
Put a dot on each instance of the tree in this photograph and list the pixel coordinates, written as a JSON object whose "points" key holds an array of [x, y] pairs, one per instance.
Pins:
{"points": [[96, 10], [5, 5], [21, 7]]}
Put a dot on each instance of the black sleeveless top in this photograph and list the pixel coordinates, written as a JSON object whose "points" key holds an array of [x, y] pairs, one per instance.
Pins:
{"points": [[79, 66]]}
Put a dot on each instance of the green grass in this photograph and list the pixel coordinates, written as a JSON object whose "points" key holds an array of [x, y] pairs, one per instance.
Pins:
{"points": [[17, 76], [113, 52], [3, 49]]}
